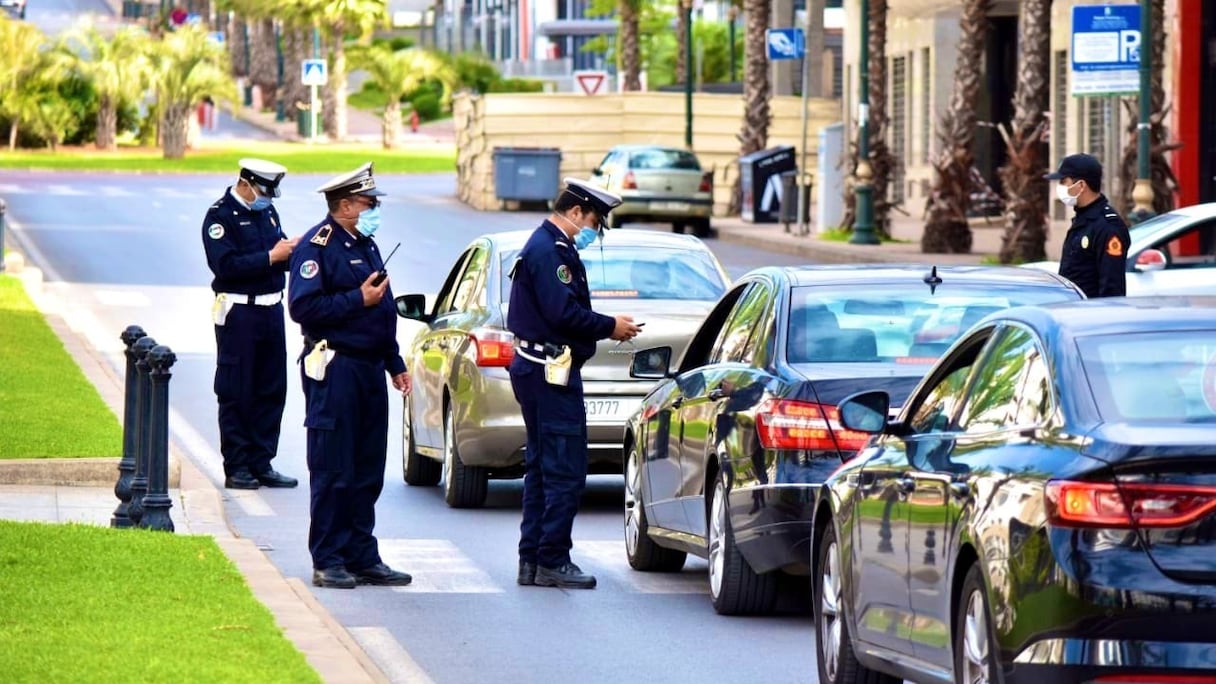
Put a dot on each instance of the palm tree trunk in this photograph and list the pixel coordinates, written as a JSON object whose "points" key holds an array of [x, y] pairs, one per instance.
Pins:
{"points": [[263, 61], [107, 123], [946, 230], [335, 88], [682, 20], [12, 134], [882, 163], [392, 125], [297, 46], [1164, 182], [238, 49], [756, 88], [630, 45], [176, 123], [1026, 199]]}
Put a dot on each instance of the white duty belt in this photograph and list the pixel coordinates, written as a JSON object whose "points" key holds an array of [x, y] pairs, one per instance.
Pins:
{"points": [[253, 300]]}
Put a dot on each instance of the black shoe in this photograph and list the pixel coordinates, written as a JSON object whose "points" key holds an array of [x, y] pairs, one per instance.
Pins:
{"points": [[272, 478], [382, 575], [241, 479], [527, 574], [336, 577], [568, 576]]}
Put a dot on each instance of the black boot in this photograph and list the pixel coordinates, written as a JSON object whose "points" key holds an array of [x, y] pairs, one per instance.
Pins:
{"points": [[382, 575], [273, 478], [241, 479], [568, 576], [527, 574], [335, 577]]}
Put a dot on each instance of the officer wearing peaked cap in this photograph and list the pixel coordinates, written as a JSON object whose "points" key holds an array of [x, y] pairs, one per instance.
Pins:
{"points": [[349, 323], [1095, 248], [247, 252], [555, 334]]}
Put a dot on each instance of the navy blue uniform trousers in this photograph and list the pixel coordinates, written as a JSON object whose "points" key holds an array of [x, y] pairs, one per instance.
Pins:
{"points": [[250, 385], [555, 461], [347, 439]]}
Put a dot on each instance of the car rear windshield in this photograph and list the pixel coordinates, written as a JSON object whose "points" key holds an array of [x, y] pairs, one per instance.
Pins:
{"points": [[663, 159], [1166, 376], [643, 273], [896, 322]]}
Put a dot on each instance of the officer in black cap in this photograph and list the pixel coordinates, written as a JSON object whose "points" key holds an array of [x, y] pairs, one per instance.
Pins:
{"points": [[346, 312], [555, 334], [247, 251], [1095, 248]]}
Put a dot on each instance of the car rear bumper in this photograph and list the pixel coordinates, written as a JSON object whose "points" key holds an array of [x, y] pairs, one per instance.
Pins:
{"points": [[676, 207], [1065, 659]]}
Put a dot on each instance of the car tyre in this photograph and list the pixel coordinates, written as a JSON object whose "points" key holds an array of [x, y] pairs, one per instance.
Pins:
{"points": [[463, 486], [615, 221], [701, 228], [838, 662], [642, 551], [677, 227], [974, 653], [417, 470], [734, 587]]}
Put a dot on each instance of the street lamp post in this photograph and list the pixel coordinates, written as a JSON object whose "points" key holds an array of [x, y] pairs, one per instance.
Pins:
{"points": [[863, 226], [1142, 194], [687, 9], [280, 112], [732, 14]]}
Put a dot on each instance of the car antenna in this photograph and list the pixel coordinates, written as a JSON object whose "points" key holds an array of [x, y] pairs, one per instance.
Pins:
{"points": [[933, 280]]}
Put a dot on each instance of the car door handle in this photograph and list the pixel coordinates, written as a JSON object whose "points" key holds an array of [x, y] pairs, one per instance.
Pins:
{"points": [[907, 485], [716, 394], [677, 402]]}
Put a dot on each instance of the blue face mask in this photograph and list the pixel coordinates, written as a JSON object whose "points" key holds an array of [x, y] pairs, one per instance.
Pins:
{"points": [[369, 222], [260, 203], [585, 237]]}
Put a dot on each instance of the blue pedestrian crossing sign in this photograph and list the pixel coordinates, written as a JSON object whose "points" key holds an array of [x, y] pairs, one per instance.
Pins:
{"points": [[314, 72], [785, 43]]}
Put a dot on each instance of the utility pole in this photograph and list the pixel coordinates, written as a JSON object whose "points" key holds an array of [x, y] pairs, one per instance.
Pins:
{"points": [[687, 9]]}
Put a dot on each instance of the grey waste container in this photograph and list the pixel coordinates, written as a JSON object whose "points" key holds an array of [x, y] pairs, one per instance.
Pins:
{"points": [[759, 175], [526, 173]]}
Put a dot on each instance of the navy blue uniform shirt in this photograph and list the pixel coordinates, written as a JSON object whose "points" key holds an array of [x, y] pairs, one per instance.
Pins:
{"points": [[1095, 251], [238, 241], [550, 298], [328, 267]]}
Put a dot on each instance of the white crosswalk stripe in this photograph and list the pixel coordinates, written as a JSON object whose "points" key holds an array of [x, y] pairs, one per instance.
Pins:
{"points": [[437, 566], [607, 557]]}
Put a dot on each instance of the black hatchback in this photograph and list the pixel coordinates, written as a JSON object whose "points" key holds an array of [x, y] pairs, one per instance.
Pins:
{"points": [[725, 455], [1043, 509]]}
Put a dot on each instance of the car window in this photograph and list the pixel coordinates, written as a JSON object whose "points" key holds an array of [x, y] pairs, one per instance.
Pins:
{"points": [[1166, 376], [443, 301], [644, 273], [1193, 248], [732, 344], [1012, 386], [663, 159], [704, 341], [897, 322], [933, 407], [470, 294]]}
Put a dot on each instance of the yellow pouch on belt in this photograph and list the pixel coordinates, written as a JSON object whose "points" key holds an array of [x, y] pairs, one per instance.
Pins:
{"points": [[317, 359], [220, 308], [557, 370]]}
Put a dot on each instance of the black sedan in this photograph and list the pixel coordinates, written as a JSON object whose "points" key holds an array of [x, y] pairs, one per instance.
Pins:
{"points": [[1043, 509], [725, 455]]}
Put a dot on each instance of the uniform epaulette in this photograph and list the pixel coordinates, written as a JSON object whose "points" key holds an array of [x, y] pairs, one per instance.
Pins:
{"points": [[323, 235], [559, 243], [1112, 216]]}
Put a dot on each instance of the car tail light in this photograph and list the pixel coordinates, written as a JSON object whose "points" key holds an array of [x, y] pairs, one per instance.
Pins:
{"points": [[630, 182], [1151, 679], [1102, 504], [707, 183], [494, 347], [789, 424]]}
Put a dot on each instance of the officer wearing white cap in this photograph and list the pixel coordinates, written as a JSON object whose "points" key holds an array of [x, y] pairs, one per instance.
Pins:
{"points": [[1095, 248], [247, 252], [555, 334], [346, 312]]}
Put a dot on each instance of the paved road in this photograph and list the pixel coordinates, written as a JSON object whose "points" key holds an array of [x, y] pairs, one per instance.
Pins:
{"points": [[121, 249]]}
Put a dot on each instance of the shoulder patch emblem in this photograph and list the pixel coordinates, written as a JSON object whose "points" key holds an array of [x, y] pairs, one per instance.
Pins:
{"points": [[1084, 242], [215, 231], [1114, 247], [322, 236], [563, 274], [309, 270]]}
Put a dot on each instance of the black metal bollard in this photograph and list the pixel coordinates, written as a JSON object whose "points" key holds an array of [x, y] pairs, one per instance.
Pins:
{"points": [[143, 394], [126, 465], [157, 502]]}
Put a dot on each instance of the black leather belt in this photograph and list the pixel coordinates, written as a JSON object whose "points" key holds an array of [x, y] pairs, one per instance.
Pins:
{"points": [[360, 354], [546, 348]]}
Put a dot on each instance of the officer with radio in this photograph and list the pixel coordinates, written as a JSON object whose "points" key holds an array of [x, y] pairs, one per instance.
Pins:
{"points": [[555, 334], [341, 298], [247, 252]]}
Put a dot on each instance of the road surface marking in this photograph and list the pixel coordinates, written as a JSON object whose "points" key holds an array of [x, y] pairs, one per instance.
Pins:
{"points": [[608, 557], [388, 653], [210, 462], [438, 567]]}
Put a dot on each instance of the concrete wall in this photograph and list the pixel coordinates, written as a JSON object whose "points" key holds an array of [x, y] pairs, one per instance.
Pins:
{"points": [[585, 128]]}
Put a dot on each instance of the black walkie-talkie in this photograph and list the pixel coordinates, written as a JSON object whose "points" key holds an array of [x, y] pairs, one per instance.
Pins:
{"points": [[383, 272]]}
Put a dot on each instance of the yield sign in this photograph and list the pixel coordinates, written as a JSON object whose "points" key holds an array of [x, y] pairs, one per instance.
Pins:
{"points": [[591, 82]]}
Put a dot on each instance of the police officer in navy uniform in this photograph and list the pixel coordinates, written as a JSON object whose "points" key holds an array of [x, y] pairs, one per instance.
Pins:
{"points": [[247, 251], [550, 309], [349, 321], [1095, 248]]}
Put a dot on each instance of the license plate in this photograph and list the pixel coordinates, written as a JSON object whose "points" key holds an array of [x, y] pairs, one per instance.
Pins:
{"points": [[670, 206], [602, 409]]}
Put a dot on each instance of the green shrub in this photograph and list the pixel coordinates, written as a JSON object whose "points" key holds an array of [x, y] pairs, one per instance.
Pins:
{"points": [[475, 71], [517, 85], [427, 104]]}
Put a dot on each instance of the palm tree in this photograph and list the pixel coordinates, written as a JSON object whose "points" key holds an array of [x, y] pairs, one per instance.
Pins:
{"points": [[756, 88], [188, 65], [946, 229], [240, 44], [682, 58], [630, 44], [1164, 182], [882, 163], [21, 44], [118, 67], [398, 73], [258, 17], [1026, 198]]}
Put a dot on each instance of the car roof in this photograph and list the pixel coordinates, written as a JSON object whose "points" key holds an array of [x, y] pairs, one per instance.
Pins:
{"points": [[1196, 210], [631, 237], [846, 274], [1118, 315], [634, 147]]}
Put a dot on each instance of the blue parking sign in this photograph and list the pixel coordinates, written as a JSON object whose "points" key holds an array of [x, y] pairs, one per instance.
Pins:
{"points": [[1105, 50], [785, 43]]}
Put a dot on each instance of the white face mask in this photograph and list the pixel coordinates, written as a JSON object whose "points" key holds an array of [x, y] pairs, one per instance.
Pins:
{"points": [[1065, 198]]}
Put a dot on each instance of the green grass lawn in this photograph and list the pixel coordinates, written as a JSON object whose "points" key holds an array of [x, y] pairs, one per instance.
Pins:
{"points": [[92, 604], [297, 157], [47, 407]]}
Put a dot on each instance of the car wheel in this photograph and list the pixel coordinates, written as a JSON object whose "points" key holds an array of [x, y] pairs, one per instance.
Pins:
{"points": [[734, 587], [837, 662], [677, 227], [463, 486], [700, 228], [418, 470], [615, 221], [643, 553], [974, 661]]}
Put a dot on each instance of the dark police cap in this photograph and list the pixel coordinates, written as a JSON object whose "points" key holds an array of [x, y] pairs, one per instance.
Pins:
{"points": [[263, 174], [357, 182], [600, 200], [1079, 167]]}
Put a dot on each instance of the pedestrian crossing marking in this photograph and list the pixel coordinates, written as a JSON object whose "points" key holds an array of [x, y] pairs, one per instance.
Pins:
{"points": [[437, 566], [608, 557]]}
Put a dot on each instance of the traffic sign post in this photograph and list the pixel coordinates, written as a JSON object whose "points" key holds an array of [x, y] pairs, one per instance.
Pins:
{"points": [[591, 82], [790, 43], [1105, 50], [313, 73]]}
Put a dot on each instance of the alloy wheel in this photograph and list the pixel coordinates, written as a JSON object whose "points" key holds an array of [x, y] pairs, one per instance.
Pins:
{"points": [[717, 536], [975, 641], [449, 451], [633, 485], [829, 614]]}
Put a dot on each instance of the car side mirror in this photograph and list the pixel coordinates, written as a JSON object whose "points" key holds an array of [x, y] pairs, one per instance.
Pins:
{"points": [[597, 171], [651, 364], [413, 307], [1150, 260], [865, 411]]}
